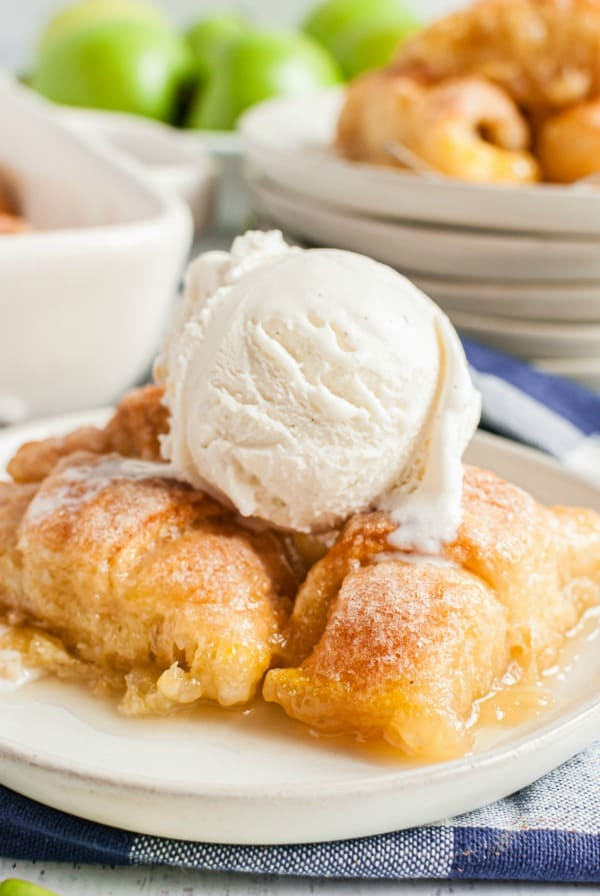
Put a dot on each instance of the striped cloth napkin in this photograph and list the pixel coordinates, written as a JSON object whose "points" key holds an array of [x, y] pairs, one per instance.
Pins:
{"points": [[542, 410], [549, 831]]}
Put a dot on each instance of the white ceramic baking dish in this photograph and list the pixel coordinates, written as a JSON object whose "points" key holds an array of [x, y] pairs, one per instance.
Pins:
{"points": [[175, 159], [85, 297]]}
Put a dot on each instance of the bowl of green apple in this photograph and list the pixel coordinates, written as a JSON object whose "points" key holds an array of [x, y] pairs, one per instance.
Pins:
{"points": [[126, 56], [169, 97]]}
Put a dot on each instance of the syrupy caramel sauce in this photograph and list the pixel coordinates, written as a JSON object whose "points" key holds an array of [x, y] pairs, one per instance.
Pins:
{"points": [[515, 702], [520, 699], [514, 705]]}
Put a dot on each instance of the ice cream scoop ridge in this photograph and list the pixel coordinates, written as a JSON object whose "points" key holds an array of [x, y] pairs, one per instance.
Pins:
{"points": [[308, 385]]}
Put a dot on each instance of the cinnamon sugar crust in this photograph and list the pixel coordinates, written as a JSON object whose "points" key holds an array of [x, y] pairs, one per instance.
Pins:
{"points": [[133, 431], [115, 574], [400, 646], [520, 82], [544, 53], [149, 585]]}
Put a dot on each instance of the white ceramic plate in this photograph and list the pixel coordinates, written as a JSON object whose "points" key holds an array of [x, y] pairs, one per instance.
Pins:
{"points": [[289, 140], [258, 777], [557, 301], [530, 339], [429, 250]]}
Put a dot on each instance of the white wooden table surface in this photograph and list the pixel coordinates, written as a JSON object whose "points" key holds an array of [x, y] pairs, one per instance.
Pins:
{"points": [[91, 880]]}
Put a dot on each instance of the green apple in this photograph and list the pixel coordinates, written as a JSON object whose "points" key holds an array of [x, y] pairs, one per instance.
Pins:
{"points": [[330, 19], [363, 49], [207, 38], [14, 887], [359, 33], [126, 66], [90, 12], [258, 65]]}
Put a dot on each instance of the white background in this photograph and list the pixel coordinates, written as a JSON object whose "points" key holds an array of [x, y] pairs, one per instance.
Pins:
{"points": [[21, 19]]}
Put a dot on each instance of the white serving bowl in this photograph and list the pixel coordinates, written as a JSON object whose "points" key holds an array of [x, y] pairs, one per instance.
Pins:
{"points": [[203, 167], [85, 297], [171, 158]]}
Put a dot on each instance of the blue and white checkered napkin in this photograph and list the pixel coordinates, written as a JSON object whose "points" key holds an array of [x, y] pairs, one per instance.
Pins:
{"points": [[545, 411], [549, 831]]}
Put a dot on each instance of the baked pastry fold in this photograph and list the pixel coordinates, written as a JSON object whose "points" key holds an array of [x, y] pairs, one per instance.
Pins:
{"points": [[151, 588], [134, 430], [385, 644], [465, 127], [544, 53], [121, 576], [500, 91]]}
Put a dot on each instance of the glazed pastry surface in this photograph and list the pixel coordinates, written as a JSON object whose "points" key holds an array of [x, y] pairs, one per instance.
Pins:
{"points": [[150, 587], [400, 646], [134, 430]]}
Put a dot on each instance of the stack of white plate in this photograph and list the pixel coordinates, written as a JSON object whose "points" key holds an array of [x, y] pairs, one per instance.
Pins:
{"points": [[517, 268]]}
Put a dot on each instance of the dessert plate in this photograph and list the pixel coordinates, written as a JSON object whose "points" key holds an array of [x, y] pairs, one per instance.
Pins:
{"points": [[289, 140], [428, 249], [531, 339], [255, 776]]}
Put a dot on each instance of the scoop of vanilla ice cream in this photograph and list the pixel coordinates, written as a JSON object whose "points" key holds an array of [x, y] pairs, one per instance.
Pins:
{"points": [[307, 385]]}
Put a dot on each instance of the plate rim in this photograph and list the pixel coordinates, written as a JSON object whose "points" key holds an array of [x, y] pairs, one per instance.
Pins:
{"points": [[260, 183], [396, 241], [580, 332], [436, 771]]}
